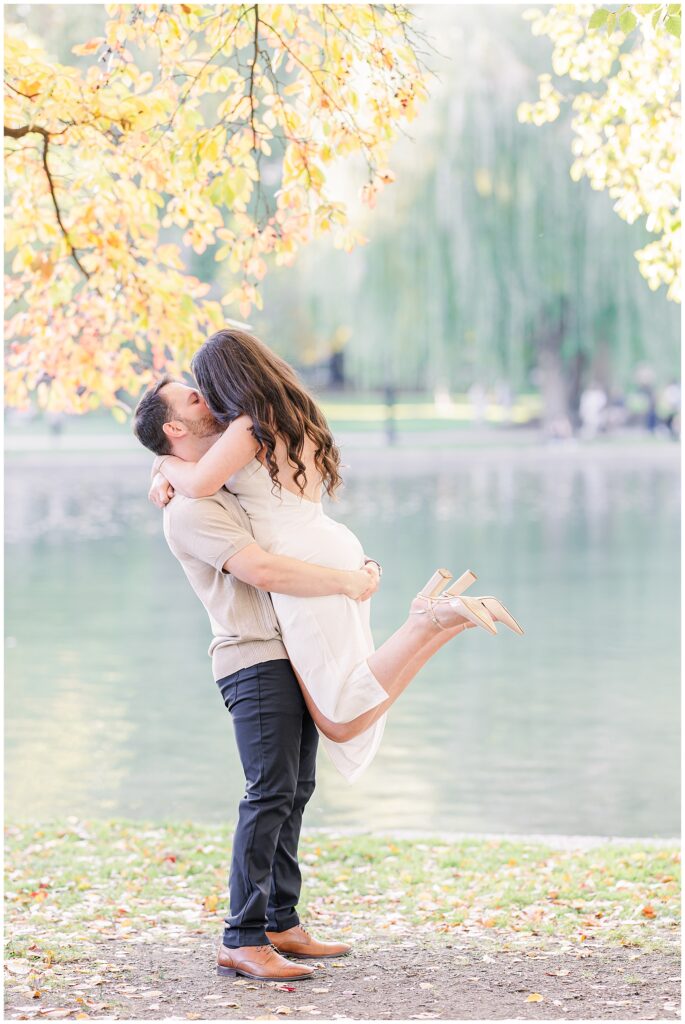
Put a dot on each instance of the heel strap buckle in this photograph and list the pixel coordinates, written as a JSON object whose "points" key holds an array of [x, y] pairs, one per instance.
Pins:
{"points": [[431, 609]]}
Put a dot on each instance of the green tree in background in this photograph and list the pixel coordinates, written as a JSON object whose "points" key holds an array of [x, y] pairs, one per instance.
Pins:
{"points": [[487, 263]]}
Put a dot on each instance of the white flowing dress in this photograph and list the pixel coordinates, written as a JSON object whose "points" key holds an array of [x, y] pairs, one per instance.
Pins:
{"points": [[328, 639]]}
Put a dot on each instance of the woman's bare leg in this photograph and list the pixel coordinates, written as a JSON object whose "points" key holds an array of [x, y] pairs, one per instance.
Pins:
{"points": [[433, 646], [394, 664]]}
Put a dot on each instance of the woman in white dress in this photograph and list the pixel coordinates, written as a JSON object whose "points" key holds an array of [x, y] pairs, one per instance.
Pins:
{"points": [[277, 455]]}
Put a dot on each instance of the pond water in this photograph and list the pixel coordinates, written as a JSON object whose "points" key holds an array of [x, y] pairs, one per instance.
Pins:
{"points": [[110, 707]]}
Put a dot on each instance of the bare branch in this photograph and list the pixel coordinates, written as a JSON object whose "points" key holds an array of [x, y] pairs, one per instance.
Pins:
{"points": [[19, 133], [252, 75], [26, 95]]}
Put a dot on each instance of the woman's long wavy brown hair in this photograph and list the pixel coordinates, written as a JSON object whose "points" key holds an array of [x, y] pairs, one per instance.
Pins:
{"points": [[238, 375]]}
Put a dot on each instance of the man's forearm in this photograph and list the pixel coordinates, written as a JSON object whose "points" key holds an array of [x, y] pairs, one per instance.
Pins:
{"points": [[281, 574]]}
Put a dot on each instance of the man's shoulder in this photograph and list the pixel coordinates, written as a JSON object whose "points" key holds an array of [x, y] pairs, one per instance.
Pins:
{"points": [[185, 513], [181, 507]]}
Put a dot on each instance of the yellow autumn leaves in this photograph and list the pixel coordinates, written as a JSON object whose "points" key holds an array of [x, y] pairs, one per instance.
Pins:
{"points": [[183, 127], [627, 133]]}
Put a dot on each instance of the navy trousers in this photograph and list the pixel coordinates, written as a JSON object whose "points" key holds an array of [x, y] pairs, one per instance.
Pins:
{"points": [[277, 742]]}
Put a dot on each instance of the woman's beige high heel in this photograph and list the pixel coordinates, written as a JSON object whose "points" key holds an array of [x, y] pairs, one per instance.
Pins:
{"points": [[500, 613], [450, 605], [492, 605]]}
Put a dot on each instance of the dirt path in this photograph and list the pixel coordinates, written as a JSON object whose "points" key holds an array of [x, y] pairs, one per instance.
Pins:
{"points": [[415, 980]]}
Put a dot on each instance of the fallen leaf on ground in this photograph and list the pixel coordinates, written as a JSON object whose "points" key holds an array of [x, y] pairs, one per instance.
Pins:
{"points": [[18, 967], [534, 997]]}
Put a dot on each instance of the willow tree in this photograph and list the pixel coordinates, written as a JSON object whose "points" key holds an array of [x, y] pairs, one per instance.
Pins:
{"points": [[220, 121], [486, 254]]}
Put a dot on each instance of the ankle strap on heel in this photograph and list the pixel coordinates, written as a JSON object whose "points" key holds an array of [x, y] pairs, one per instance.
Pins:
{"points": [[425, 611]]}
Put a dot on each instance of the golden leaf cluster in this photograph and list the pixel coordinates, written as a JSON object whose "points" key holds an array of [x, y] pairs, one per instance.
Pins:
{"points": [[191, 127], [628, 131]]}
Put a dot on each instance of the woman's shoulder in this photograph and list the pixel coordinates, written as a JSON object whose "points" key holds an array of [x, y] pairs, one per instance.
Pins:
{"points": [[242, 475]]}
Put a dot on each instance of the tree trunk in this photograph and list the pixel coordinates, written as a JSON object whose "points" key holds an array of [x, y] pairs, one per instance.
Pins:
{"points": [[556, 419]]}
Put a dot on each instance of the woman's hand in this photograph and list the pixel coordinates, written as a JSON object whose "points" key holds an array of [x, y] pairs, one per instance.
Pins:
{"points": [[161, 492], [362, 583], [372, 569]]}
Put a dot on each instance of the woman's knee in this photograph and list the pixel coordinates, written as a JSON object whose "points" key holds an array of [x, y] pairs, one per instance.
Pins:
{"points": [[340, 732]]}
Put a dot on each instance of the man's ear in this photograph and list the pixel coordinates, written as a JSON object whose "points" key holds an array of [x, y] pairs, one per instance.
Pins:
{"points": [[174, 430]]}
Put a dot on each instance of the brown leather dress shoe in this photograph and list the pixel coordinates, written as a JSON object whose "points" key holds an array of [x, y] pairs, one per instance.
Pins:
{"points": [[297, 942], [261, 963]]}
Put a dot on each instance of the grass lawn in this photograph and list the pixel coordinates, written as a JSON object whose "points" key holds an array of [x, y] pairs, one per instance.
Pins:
{"points": [[344, 412], [67, 883], [123, 919]]}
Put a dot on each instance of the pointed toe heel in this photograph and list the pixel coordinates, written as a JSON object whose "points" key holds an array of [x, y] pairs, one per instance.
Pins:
{"points": [[501, 614], [475, 612]]}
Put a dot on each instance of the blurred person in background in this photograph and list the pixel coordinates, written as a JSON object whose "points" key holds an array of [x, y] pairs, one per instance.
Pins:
{"points": [[617, 414], [670, 408], [478, 398], [645, 380], [592, 411]]}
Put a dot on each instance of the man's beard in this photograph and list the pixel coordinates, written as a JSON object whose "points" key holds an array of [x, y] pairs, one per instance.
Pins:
{"points": [[204, 427]]}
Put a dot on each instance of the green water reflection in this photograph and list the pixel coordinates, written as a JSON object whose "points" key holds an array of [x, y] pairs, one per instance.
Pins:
{"points": [[111, 709]]}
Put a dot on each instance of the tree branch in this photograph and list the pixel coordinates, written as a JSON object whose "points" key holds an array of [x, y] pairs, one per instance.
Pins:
{"points": [[252, 73], [168, 124], [26, 95], [19, 133], [345, 115]]}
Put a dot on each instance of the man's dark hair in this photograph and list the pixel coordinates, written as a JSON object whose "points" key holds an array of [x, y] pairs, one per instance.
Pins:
{"points": [[152, 412]]}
